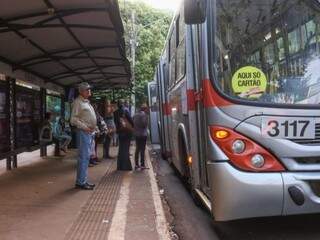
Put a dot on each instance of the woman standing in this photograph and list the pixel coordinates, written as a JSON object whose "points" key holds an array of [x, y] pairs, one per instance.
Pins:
{"points": [[124, 125], [140, 121], [109, 120]]}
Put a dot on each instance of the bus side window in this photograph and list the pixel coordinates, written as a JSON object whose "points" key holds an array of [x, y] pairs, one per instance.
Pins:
{"points": [[172, 66], [181, 50]]}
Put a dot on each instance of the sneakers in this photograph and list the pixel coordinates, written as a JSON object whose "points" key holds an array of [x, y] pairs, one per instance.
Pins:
{"points": [[92, 163], [91, 184]]}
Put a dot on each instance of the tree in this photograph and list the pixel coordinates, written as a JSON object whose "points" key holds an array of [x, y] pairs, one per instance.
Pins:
{"points": [[151, 27]]}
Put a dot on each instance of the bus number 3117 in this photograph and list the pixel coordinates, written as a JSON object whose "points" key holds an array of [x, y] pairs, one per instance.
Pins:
{"points": [[294, 129]]}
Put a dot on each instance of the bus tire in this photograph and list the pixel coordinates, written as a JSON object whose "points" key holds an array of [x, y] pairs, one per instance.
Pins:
{"points": [[163, 150], [187, 173]]}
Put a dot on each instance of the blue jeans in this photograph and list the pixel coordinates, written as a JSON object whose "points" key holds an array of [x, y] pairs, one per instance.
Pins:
{"points": [[84, 148], [65, 140]]}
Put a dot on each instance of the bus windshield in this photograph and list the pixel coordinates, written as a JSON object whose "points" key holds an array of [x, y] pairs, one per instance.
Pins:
{"points": [[268, 51]]}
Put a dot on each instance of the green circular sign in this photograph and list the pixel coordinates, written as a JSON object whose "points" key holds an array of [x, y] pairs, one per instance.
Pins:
{"points": [[249, 82]]}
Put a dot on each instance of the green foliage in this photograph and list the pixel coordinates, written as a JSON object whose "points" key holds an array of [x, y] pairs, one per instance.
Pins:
{"points": [[53, 104], [151, 27]]}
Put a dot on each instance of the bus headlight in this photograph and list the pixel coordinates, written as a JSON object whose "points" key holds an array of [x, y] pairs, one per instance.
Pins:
{"points": [[257, 161], [238, 146]]}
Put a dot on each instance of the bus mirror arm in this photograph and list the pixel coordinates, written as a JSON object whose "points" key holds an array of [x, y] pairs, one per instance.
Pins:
{"points": [[195, 11]]}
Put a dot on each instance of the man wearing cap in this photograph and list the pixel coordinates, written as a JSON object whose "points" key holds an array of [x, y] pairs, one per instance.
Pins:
{"points": [[84, 118]]}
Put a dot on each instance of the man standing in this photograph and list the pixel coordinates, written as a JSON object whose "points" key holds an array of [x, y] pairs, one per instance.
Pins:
{"points": [[83, 117], [140, 121]]}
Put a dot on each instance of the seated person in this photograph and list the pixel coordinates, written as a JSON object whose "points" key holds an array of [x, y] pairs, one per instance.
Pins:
{"points": [[67, 128], [61, 135]]}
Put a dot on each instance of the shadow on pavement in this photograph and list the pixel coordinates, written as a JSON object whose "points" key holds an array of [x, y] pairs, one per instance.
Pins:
{"points": [[192, 222], [275, 228]]}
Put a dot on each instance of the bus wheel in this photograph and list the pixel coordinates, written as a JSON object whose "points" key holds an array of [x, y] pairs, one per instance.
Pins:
{"points": [[163, 153], [184, 161], [187, 176]]}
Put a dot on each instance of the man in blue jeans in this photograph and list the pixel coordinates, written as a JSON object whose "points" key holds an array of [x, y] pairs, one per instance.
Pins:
{"points": [[83, 117]]}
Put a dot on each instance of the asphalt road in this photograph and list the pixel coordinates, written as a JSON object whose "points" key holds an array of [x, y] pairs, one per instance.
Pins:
{"points": [[195, 223]]}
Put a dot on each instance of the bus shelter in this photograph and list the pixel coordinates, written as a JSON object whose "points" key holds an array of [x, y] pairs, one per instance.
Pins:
{"points": [[47, 47]]}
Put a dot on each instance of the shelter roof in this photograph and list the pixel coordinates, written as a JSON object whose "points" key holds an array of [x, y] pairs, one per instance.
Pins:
{"points": [[65, 42]]}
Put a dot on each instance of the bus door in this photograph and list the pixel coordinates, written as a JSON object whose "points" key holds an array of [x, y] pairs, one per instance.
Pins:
{"points": [[154, 112], [200, 111], [165, 124]]}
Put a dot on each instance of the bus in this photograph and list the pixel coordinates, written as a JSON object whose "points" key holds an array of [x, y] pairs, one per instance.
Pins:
{"points": [[239, 90], [154, 113]]}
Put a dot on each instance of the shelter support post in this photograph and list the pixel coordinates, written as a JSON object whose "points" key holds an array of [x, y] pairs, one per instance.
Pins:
{"points": [[63, 107], [43, 148], [12, 159], [9, 163]]}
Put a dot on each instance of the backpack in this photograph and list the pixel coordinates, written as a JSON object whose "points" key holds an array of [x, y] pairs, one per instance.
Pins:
{"points": [[46, 134]]}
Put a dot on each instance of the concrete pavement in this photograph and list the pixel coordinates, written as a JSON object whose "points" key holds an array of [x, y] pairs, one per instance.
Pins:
{"points": [[38, 201]]}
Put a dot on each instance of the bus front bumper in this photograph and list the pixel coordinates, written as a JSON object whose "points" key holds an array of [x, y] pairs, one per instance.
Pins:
{"points": [[237, 194]]}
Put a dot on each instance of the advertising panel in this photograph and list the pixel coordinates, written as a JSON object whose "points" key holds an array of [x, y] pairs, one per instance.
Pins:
{"points": [[4, 121], [28, 117]]}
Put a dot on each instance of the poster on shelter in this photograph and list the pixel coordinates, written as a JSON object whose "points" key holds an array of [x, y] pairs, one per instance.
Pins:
{"points": [[4, 122], [27, 117]]}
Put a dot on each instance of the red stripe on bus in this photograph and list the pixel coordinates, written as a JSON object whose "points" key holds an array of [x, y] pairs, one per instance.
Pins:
{"points": [[191, 99], [166, 109], [211, 98]]}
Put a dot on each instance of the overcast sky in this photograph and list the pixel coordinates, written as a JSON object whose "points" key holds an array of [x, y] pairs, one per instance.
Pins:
{"points": [[163, 4]]}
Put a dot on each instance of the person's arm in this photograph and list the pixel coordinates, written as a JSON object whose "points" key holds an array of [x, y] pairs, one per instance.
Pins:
{"points": [[60, 130], [129, 118], [75, 119], [145, 121], [116, 119], [103, 124]]}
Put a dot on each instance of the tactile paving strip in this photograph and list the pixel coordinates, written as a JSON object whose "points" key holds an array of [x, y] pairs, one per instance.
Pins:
{"points": [[95, 218]]}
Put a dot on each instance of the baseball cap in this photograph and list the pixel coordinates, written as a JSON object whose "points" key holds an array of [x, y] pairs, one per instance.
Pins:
{"points": [[84, 86]]}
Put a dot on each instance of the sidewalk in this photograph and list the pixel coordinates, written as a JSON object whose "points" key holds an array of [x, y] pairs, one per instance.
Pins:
{"points": [[38, 201]]}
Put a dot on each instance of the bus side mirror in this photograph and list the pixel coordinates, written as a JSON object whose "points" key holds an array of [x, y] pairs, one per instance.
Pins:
{"points": [[195, 11]]}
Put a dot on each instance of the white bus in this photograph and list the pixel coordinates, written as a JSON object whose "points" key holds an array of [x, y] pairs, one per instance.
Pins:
{"points": [[240, 116]]}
